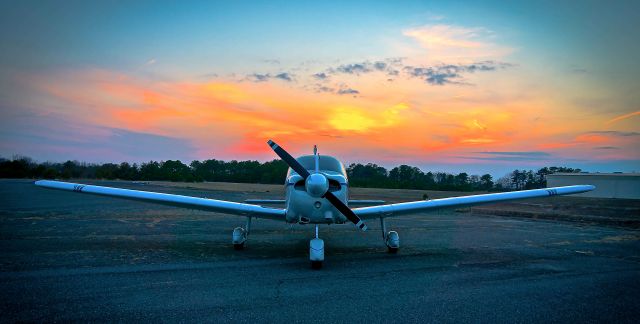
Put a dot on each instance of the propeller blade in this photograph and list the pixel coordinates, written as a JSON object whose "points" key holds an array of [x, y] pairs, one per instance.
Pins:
{"points": [[287, 158], [345, 210], [335, 201]]}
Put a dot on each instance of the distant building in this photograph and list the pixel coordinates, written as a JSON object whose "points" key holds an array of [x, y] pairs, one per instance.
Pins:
{"points": [[608, 185]]}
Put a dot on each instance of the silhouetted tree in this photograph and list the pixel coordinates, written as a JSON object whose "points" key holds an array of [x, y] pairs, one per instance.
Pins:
{"points": [[360, 175], [486, 182]]}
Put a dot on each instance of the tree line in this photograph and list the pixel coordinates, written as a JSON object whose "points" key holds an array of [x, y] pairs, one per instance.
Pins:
{"points": [[360, 175], [410, 177]]}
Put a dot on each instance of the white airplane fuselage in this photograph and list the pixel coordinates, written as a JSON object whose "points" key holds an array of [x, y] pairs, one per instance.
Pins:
{"points": [[298, 199]]}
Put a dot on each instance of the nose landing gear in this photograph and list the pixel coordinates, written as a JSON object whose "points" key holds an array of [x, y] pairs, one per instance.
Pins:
{"points": [[316, 251]]}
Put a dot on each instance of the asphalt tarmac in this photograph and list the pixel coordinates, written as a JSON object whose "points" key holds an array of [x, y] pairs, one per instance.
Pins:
{"points": [[73, 257]]}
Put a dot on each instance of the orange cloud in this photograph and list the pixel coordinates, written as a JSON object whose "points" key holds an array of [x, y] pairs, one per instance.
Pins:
{"points": [[232, 120], [590, 146], [477, 140], [592, 139], [619, 118]]}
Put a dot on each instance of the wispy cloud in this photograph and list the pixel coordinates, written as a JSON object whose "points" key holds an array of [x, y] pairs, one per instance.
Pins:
{"points": [[348, 91], [445, 42], [357, 68], [284, 76], [340, 90], [320, 76], [439, 74], [615, 133], [500, 158], [508, 156], [322, 88], [211, 75], [258, 77], [439, 36], [623, 117], [452, 73], [388, 66], [517, 153]]}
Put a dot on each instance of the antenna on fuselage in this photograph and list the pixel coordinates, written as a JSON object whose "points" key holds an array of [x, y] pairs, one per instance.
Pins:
{"points": [[316, 157]]}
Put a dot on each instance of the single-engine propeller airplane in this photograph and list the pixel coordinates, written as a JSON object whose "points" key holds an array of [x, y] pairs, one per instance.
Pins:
{"points": [[316, 192]]}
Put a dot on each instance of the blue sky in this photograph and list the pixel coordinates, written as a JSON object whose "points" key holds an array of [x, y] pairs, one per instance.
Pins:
{"points": [[558, 74]]}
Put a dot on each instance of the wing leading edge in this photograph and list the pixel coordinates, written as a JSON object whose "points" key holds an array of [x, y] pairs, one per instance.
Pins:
{"points": [[213, 205], [282, 202], [391, 210]]}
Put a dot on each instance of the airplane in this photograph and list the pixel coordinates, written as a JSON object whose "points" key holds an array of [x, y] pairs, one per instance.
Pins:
{"points": [[316, 192]]}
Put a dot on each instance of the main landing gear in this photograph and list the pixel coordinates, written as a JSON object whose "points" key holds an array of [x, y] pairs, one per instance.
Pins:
{"points": [[316, 245], [240, 235], [316, 251], [391, 238]]}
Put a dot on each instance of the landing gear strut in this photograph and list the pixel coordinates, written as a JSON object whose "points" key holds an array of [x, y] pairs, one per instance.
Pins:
{"points": [[316, 251], [391, 238], [240, 235]]}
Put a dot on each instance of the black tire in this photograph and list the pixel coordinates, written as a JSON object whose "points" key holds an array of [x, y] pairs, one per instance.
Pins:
{"points": [[316, 265], [392, 250], [238, 247]]}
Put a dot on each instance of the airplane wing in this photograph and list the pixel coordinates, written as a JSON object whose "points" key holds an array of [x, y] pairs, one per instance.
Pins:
{"points": [[412, 207], [352, 202], [265, 201], [364, 202], [213, 205]]}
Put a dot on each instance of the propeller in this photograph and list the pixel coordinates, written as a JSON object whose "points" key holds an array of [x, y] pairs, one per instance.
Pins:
{"points": [[317, 184]]}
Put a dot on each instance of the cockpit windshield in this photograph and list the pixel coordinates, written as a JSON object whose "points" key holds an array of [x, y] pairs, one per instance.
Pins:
{"points": [[327, 163]]}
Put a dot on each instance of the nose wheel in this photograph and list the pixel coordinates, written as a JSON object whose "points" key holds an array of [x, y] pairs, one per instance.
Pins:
{"points": [[316, 251]]}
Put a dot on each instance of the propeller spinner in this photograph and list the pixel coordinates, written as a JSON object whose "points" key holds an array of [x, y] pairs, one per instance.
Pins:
{"points": [[316, 184]]}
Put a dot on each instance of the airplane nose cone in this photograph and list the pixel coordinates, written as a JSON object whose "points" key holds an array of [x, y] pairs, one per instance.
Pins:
{"points": [[316, 185]]}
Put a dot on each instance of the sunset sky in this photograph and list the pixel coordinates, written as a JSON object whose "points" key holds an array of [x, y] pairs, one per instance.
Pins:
{"points": [[477, 86]]}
